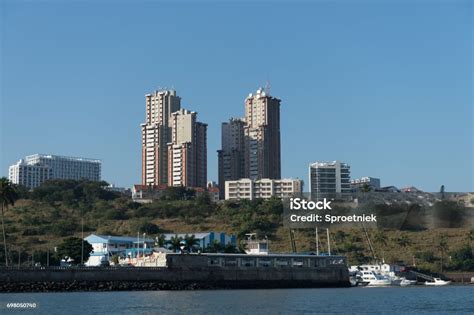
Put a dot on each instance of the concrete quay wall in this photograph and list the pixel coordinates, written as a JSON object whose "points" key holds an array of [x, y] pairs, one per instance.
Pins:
{"points": [[169, 278]]}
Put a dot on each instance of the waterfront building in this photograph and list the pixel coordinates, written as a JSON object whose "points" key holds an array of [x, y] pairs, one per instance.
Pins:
{"points": [[105, 246], [251, 145], [329, 180], [206, 239], [264, 188], [371, 182], [35, 169], [187, 151], [156, 134]]}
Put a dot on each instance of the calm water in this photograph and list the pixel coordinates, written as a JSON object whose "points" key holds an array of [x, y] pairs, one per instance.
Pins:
{"points": [[390, 300]]}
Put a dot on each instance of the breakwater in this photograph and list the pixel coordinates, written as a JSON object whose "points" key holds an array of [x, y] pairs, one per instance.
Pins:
{"points": [[185, 272], [157, 278]]}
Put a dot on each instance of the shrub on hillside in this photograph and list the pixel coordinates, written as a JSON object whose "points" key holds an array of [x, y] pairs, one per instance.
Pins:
{"points": [[63, 228]]}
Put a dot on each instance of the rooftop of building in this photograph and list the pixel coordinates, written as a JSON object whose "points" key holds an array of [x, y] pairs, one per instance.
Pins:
{"points": [[62, 157], [96, 238], [327, 164]]}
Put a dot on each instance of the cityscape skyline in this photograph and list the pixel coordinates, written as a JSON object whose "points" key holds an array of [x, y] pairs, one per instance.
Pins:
{"points": [[362, 100]]}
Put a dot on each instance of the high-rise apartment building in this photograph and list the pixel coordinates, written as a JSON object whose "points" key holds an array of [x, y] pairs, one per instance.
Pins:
{"points": [[156, 134], [187, 151], [231, 156], [251, 146], [329, 180], [35, 169], [262, 136]]}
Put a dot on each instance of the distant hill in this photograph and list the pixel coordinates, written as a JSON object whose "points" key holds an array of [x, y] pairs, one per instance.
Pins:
{"points": [[41, 219]]}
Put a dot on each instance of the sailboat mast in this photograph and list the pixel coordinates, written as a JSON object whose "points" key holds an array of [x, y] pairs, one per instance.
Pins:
{"points": [[329, 243], [317, 242]]}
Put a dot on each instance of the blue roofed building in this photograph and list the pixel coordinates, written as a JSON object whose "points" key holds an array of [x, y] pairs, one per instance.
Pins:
{"points": [[105, 246], [207, 238]]}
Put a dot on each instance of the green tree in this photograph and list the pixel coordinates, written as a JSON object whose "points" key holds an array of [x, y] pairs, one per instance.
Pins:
{"points": [[191, 242], [160, 240], [150, 228], [175, 243], [214, 247], [463, 258], [203, 199], [8, 197], [365, 188], [231, 249], [72, 247]]}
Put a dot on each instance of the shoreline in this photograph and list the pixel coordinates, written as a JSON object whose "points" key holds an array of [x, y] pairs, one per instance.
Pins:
{"points": [[110, 286]]}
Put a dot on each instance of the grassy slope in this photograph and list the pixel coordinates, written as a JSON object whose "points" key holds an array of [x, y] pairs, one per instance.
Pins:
{"points": [[44, 218]]}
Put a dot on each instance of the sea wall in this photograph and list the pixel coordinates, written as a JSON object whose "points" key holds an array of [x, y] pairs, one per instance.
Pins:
{"points": [[152, 278]]}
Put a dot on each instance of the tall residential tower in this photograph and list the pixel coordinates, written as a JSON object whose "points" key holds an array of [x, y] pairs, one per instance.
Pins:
{"points": [[231, 156], [251, 145], [187, 151], [174, 143], [262, 136], [156, 134]]}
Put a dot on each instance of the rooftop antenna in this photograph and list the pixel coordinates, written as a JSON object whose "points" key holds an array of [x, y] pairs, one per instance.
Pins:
{"points": [[267, 88]]}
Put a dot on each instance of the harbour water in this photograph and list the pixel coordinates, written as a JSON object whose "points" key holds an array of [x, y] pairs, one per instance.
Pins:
{"points": [[388, 300]]}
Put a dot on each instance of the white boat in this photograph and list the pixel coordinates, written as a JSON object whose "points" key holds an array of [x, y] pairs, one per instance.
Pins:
{"points": [[437, 282], [405, 282], [375, 280], [382, 271]]}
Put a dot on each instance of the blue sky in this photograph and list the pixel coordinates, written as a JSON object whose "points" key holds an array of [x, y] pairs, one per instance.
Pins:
{"points": [[386, 87]]}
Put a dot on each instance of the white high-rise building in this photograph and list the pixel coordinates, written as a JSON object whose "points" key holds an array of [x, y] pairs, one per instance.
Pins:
{"points": [[34, 169], [29, 175], [329, 180]]}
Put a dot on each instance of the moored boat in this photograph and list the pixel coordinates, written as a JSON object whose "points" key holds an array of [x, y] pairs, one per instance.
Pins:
{"points": [[437, 282], [375, 280]]}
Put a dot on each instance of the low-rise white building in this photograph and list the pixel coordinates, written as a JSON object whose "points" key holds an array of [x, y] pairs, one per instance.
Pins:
{"points": [[105, 246], [265, 188], [371, 182]]}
